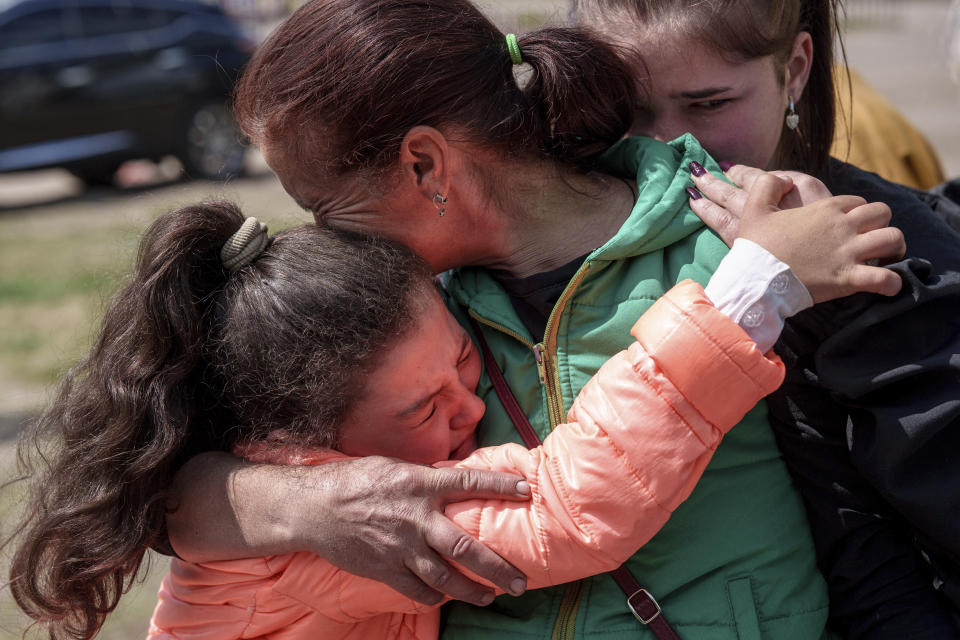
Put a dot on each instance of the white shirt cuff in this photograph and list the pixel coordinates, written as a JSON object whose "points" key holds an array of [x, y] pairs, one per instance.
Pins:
{"points": [[757, 291]]}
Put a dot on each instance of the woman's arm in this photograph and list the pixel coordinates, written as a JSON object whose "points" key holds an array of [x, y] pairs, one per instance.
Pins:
{"points": [[389, 512]]}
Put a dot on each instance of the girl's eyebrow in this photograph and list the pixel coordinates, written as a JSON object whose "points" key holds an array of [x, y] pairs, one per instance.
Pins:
{"points": [[699, 94]]}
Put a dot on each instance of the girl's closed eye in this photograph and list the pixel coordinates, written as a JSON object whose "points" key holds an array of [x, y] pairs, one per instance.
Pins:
{"points": [[710, 105], [430, 414]]}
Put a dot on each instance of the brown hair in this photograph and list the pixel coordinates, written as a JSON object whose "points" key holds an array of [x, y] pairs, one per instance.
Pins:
{"points": [[191, 357], [340, 82], [753, 29]]}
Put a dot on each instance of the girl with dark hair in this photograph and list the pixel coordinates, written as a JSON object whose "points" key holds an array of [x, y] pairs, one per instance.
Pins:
{"points": [[288, 350], [870, 402], [405, 119], [766, 90]]}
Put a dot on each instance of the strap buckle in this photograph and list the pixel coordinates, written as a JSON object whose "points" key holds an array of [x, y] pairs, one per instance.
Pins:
{"points": [[648, 605]]}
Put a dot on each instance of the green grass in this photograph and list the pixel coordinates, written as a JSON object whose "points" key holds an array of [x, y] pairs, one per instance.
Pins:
{"points": [[53, 281]]}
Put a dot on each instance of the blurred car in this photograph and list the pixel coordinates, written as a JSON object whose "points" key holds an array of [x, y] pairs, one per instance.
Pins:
{"points": [[89, 84]]}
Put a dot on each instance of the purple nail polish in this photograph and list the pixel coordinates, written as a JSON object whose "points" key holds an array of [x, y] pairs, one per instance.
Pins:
{"points": [[693, 193], [697, 169], [725, 166]]}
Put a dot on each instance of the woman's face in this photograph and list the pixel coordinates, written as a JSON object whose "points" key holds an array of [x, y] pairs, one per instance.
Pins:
{"points": [[394, 209], [419, 403], [735, 108]]}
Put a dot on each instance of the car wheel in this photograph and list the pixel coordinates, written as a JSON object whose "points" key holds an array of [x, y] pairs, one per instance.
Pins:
{"points": [[213, 147]]}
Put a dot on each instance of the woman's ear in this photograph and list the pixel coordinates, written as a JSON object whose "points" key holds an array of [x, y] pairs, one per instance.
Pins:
{"points": [[425, 160], [798, 65]]}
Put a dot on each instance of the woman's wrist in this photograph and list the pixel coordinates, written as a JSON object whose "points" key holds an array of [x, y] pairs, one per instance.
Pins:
{"points": [[223, 508]]}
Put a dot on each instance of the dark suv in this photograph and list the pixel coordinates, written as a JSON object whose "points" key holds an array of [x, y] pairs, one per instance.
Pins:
{"points": [[90, 84]]}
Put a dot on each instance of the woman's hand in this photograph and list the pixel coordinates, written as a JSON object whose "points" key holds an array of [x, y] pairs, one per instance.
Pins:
{"points": [[830, 243], [373, 517], [390, 527]]}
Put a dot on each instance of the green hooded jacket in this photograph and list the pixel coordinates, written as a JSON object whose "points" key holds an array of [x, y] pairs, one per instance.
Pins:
{"points": [[736, 560]]}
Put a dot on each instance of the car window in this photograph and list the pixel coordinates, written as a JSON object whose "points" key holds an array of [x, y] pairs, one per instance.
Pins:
{"points": [[106, 20], [34, 28]]}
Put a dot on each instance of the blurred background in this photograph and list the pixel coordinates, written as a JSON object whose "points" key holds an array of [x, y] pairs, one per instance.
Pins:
{"points": [[126, 120]]}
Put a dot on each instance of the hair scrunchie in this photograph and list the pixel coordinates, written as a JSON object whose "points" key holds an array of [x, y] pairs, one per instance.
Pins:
{"points": [[244, 246], [514, 49]]}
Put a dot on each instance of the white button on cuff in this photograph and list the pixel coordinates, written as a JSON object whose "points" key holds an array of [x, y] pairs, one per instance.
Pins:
{"points": [[780, 284], [753, 317]]}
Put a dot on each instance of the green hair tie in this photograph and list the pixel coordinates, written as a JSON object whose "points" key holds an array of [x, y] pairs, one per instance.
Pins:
{"points": [[514, 49]]}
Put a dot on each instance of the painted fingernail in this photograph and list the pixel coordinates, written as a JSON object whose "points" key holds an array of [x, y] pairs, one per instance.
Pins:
{"points": [[697, 169], [725, 166], [523, 488], [486, 598], [693, 193], [518, 586]]}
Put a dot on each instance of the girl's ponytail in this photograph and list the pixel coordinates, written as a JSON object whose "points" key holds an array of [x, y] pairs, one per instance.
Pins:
{"points": [[122, 418], [581, 93]]}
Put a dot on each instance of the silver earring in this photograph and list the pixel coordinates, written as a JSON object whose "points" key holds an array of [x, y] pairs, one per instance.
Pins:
{"points": [[793, 118], [440, 201]]}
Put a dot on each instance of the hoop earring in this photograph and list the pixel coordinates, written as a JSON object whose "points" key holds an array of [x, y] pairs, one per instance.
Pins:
{"points": [[440, 201], [793, 118]]}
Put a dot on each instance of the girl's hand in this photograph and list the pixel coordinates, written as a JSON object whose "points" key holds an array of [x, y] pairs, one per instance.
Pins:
{"points": [[722, 211], [826, 243]]}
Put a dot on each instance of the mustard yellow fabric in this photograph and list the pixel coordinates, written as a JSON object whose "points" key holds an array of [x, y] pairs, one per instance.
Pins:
{"points": [[876, 137]]}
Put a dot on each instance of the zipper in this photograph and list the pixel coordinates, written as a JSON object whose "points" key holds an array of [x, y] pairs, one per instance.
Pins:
{"points": [[538, 356], [566, 623], [537, 349], [502, 329], [544, 353]]}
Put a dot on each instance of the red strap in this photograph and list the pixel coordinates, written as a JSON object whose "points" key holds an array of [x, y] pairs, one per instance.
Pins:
{"points": [[641, 602], [507, 399]]}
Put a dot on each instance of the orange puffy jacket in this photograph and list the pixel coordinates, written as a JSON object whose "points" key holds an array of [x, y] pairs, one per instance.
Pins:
{"points": [[638, 438]]}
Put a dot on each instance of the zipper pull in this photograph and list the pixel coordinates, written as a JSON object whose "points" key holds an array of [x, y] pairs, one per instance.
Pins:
{"points": [[538, 356]]}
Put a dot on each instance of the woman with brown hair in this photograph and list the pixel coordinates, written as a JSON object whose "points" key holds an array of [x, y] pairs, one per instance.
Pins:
{"points": [[405, 119], [869, 405]]}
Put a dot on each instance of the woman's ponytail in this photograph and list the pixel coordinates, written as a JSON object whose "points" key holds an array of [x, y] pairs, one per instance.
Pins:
{"points": [[580, 91], [377, 68], [121, 422]]}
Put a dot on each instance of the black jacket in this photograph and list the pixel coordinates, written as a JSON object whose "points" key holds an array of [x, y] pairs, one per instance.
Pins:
{"points": [[868, 420]]}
